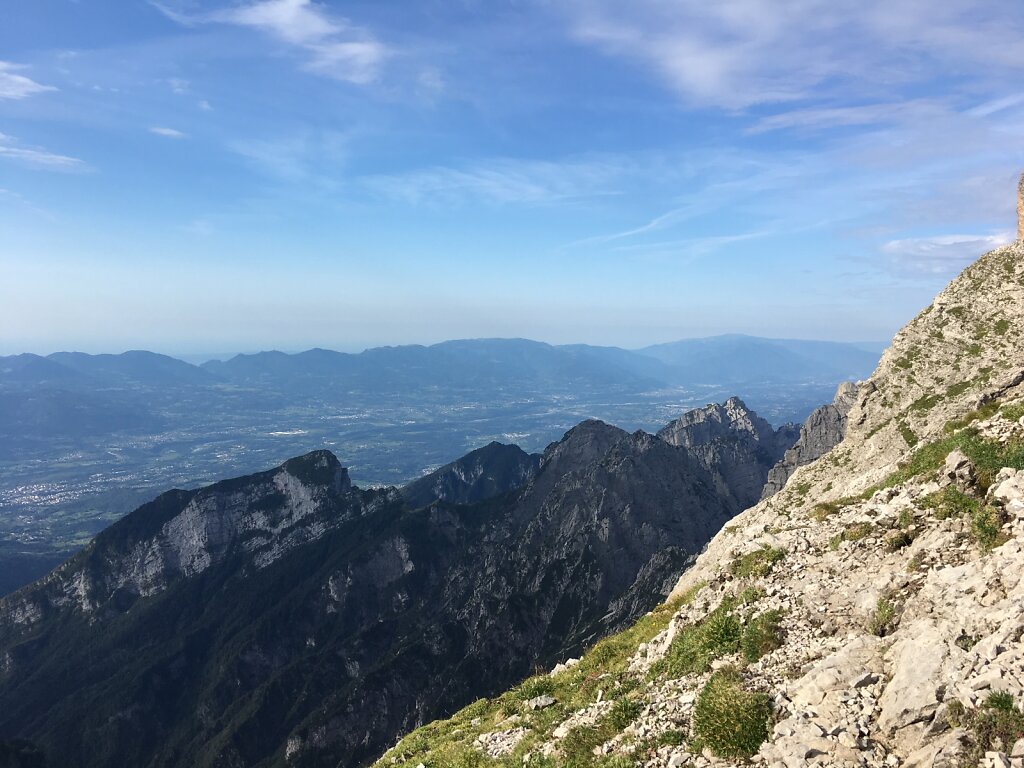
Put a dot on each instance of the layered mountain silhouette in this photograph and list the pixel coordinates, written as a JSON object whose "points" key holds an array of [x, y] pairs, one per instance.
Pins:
{"points": [[289, 616]]}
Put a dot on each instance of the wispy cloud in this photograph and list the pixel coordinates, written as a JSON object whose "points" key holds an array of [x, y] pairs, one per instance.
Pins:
{"points": [[307, 157], [332, 45], [178, 85], [940, 255], [168, 133], [16, 86], [736, 54], [861, 115], [504, 181], [34, 157]]}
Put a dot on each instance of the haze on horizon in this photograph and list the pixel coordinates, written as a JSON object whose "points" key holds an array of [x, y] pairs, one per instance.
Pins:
{"points": [[199, 176]]}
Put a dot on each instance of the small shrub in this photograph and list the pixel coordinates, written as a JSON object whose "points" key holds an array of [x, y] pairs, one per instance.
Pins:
{"points": [[898, 540], [1012, 412], [728, 720], [671, 738], [857, 531], [908, 435], [926, 403], [884, 619], [761, 635], [950, 502], [965, 641], [624, 711], [751, 595], [994, 726], [987, 527], [696, 646], [757, 564]]}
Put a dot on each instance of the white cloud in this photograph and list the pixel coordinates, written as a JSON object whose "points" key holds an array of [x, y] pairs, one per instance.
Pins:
{"points": [[178, 85], [332, 45], [37, 158], [205, 105], [169, 133], [15, 86], [736, 54], [940, 255]]}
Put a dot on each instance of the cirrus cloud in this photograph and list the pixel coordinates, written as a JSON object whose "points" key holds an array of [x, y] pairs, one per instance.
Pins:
{"points": [[332, 45], [34, 157], [14, 86]]}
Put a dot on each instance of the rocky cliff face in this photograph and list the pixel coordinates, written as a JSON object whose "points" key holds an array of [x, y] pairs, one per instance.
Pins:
{"points": [[869, 614], [291, 618], [820, 433], [489, 471], [734, 444]]}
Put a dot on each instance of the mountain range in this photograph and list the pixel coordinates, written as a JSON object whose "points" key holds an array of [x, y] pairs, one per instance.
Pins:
{"points": [[289, 617], [86, 438]]}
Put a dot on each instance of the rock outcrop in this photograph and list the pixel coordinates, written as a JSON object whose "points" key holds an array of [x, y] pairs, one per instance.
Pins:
{"points": [[820, 433]]}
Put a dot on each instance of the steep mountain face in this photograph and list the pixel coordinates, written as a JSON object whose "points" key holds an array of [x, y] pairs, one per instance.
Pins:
{"points": [[823, 431], [489, 471], [734, 444], [869, 614], [289, 617]]}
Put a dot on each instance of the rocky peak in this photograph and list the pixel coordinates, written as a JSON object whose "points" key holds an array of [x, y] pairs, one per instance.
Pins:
{"points": [[820, 433], [319, 468], [733, 443], [489, 471], [702, 425], [583, 444]]}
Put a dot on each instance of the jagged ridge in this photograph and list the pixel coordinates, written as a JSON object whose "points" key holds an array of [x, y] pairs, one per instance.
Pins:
{"points": [[290, 617]]}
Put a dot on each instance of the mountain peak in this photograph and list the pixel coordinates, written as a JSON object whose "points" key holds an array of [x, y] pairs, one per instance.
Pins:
{"points": [[319, 468]]}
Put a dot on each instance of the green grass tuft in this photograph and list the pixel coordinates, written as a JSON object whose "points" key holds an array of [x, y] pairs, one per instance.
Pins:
{"points": [[729, 720], [756, 564]]}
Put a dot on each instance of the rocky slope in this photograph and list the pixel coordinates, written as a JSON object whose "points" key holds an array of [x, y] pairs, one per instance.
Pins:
{"points": [[734, 444], [869, 614], [820, 433], [289, 617]]}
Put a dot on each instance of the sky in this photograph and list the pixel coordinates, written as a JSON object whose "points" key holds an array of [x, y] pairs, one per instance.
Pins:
{"points": [[215, 176]]}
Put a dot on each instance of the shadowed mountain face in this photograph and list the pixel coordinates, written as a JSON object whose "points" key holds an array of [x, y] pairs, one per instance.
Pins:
{"points": [[289, 613], [820, 433], [489, 471]]}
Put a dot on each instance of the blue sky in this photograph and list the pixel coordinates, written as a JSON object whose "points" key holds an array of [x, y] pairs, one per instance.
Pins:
{"points": [[208, 176]]}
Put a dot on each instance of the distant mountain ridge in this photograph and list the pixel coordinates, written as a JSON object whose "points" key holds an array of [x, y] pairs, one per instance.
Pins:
{"points": [[722, 358]]}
